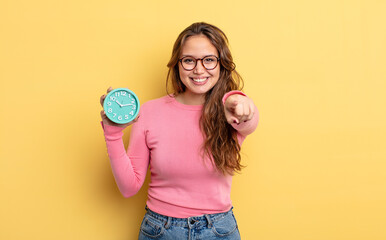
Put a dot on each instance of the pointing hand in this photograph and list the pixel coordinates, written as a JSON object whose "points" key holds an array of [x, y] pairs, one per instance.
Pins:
{"points": [[238, 109]]}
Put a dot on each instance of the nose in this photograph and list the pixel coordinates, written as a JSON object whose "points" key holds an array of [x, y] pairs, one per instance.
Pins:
{"points": [[199, 67]]}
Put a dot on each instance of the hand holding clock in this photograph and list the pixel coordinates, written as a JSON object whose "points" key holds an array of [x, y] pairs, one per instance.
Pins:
{"points": [[119, 113]]}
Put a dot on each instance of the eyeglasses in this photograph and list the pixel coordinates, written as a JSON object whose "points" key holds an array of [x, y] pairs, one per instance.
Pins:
{"points": [[208, 62]]}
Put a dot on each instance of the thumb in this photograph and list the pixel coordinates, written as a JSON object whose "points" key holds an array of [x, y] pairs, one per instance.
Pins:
{"points": [[234, 120]]}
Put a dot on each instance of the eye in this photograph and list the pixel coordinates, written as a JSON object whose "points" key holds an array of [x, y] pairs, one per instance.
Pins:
{"points": [[210, 59], [188, 60]]}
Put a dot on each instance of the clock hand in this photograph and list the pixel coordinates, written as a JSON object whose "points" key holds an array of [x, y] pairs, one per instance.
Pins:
{"points": [[124, 105], [119, 103]]}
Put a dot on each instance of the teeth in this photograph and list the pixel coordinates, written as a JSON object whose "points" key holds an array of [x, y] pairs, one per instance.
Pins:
{"points": [[199, 79]]}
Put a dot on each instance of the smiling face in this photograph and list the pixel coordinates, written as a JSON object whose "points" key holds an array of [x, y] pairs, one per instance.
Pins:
{"points": [[199, 80]]}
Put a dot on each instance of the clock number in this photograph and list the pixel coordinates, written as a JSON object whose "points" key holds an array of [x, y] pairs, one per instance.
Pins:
{"points": [[126, 116], [114, 114], [108, 103], [131, 113], [123, 93], [120, 117], [110, 110], [112, 98], [133, 107]]}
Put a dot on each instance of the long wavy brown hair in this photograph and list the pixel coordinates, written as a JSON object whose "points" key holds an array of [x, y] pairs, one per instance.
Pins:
{"points": [[221, 144]]}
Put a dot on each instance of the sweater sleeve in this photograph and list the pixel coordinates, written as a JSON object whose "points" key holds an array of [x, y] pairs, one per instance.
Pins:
{"points": [[248, 127], [129, 168]]}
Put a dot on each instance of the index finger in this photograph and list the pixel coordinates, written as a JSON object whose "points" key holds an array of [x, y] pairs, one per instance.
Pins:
{"points": [[231, 104], [102, 98]]}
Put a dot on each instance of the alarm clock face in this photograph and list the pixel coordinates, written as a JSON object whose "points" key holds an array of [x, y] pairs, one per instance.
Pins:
{"points": [[121, 105]]}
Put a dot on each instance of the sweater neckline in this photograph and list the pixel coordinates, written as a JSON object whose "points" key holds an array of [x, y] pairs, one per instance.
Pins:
{"points": [[185, 106]]}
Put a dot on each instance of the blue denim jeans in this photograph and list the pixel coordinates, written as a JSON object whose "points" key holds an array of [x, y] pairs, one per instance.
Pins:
{"points": [[206, 227]]}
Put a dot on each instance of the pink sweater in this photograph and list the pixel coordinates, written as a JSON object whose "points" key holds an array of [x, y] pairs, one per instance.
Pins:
{"points": [[167, 138]]}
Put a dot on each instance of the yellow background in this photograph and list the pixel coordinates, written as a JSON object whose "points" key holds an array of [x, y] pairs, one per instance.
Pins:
{"points": [[315, 69]]}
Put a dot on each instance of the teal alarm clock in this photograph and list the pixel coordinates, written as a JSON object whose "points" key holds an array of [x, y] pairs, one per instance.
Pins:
{"points": [[121, 105]]}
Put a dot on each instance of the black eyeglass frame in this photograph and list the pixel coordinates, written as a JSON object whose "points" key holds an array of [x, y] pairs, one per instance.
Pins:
{"points": [[202, 63]]}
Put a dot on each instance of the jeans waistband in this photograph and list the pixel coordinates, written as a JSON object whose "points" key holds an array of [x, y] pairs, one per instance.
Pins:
{"points": [[202, 220]]}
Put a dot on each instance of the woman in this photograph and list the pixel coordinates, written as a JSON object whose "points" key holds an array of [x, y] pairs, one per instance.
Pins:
{"points": [[191, 141]]}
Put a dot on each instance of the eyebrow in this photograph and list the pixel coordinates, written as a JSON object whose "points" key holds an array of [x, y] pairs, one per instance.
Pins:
{"points": [[195, 57]]}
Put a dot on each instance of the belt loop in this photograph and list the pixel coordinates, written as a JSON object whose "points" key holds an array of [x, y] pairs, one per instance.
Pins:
{"points": [[168, 222], [146, 208], [209, 220]]}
